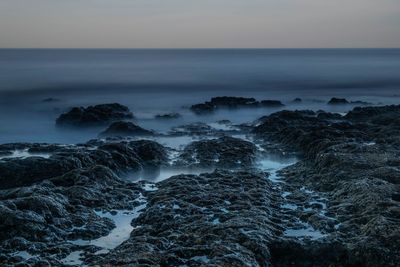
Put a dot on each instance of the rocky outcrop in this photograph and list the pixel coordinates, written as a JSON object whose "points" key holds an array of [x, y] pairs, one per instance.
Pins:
{"points": [[225, 152], [121, 157], [354, 160], [217, 219], [94, 115], [125, 128]]}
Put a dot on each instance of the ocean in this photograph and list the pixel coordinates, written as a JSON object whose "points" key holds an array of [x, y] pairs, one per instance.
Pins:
{"points": [[157, 81]]}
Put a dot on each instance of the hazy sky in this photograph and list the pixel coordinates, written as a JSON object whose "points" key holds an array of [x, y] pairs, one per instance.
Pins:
{"points": [[199, 23]]}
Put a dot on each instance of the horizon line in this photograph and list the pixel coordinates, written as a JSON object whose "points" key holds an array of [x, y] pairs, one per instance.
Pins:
{"points": [[190, 48]]}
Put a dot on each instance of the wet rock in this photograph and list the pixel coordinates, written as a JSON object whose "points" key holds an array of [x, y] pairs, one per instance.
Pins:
{"points": [[94, 115], [125, 128], [351, 159], [121, 157], [219, 219], [297, 100], [338, 101], [225, 152]]}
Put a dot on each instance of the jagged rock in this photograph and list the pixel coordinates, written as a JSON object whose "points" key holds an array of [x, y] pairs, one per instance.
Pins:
{"points": [[219, 219], [351, 158], [121, 157], [125, 128], [94, 115], [225, 152]]}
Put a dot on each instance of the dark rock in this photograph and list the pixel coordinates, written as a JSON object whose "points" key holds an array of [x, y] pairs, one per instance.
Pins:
{"points": [[219, 219], [125, 128], [297, 100], [121, 157], [225, 152], [94, 115], [223, 102], [51, 99], [351, 159], [338, 101], [271, 103]]}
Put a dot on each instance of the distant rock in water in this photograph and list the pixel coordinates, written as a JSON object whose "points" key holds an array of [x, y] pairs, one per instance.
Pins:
{"points": [[51, 99], [94, 115], [271, 103], [338, 101], [168, 116], [125, 128], [232, 102], [297, 100], [362, 103]]}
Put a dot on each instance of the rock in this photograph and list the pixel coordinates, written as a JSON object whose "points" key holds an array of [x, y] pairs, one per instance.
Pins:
{"points": [[219, 219], [225, 152], [223, 102], [168, 116], [94, 115], [351, 160], [271, 103], [297, 100], [51, 99], [125, 128], [121, 157], [338, 101]]}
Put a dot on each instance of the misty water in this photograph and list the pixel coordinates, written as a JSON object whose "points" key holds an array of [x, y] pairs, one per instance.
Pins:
{"points": [[153, 82]]}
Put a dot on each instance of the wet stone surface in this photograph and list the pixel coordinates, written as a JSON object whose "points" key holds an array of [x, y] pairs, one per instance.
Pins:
{"points": [[295, 188]]}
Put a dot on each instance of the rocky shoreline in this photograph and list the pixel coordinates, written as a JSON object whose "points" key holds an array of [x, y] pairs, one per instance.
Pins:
{"points": [[332, 198]]}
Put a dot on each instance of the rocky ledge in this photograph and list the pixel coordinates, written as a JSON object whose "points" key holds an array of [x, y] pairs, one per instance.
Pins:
{"points": [[94, 115]]}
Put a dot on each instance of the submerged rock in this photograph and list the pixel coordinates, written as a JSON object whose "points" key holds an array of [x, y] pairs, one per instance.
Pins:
{"points": [[168, 116], [125, 128], [94, 115]]}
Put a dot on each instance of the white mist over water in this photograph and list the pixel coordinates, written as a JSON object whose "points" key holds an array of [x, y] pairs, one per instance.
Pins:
{"points": [[153, 82]]}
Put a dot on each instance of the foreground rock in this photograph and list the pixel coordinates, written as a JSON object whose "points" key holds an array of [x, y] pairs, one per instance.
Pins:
{"points": [[121, 157], [125, 128], [225, 152], [48, 204], [218, 219], [94, 115], [354, 160]]}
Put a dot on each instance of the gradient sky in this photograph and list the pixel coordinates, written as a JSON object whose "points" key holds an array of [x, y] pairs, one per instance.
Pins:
{"points": [[200, 23]]}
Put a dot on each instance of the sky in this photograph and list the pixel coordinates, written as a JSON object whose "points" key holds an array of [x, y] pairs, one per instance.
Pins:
{"points": [[199, 23]]}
